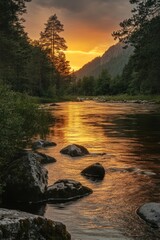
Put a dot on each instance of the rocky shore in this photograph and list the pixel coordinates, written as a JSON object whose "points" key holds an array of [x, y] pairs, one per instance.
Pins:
{"points": [[25, 181]]}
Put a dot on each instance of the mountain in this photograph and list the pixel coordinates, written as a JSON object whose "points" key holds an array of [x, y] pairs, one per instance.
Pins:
{"points": [[113, 60]]}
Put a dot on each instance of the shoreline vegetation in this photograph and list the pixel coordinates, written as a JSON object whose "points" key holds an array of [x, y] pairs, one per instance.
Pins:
{"points": [[123, 98]]}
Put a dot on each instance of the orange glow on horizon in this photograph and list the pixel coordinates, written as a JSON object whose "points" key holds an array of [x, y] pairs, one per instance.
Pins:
{"points": [[84, 42]]}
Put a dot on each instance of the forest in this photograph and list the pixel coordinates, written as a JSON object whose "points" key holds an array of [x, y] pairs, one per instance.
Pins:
{"points": [[141, 75], [40, 69]]}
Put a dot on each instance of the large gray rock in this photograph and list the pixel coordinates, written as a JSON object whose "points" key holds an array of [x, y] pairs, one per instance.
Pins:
{"points": [[94, 171], [16, 225], [25, 179], [150, 212], [66, 190], [75, 150]]}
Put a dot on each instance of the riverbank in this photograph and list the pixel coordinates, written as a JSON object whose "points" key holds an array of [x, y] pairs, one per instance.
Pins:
{"points": [[108, 98]]}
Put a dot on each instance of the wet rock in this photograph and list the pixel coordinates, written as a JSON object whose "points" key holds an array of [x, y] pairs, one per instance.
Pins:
{"points": [[94, 171], [66, 190], [25, 179], [42, 144], [43, 158], [53, 105], [16, 225], [150, 212], [75, 150]]}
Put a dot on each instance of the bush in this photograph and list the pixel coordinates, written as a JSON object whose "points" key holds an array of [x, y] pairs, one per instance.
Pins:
{"points": [[20, 120]]}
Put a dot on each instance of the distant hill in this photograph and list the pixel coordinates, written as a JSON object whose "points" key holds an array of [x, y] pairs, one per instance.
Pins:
{"points": [[113, 60]]}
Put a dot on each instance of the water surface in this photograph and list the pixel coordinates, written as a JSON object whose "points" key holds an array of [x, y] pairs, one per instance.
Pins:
{"points": [[129, 137]]}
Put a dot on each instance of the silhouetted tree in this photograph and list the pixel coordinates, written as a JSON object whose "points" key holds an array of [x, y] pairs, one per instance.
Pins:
{"points": [[54, 45], [142, 31]]}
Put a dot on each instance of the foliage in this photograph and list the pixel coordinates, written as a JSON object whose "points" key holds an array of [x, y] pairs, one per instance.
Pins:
{"points": [[54, 45], [141, 75], [25, 65], [20, 120], [10, 15]]}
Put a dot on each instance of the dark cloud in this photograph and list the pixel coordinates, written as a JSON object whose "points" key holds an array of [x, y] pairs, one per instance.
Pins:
{"points": [[92, 12], [70, 5], [80, 5]]}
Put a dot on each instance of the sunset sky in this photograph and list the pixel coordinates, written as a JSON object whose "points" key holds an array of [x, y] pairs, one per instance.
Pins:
{"points": [[88, 24]]}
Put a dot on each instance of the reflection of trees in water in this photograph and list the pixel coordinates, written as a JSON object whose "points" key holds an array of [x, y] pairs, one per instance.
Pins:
{"points": [[144, 129]]}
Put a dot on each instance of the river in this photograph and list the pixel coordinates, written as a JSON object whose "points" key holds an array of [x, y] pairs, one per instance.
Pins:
{"points": [[128, 135]]}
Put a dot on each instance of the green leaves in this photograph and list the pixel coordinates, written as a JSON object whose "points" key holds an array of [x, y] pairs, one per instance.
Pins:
{"points": [[20, 120]]}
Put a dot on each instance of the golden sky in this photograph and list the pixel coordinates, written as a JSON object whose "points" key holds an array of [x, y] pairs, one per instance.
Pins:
{"points": [[88, 24]]}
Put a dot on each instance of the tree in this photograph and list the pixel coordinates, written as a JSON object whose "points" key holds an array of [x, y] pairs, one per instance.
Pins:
{"points": [[103, 83], [54, 45], [10, 12], [142, 31], [132, 29]]}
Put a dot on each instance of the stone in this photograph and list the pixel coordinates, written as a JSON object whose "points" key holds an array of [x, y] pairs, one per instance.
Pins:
{"points": [[25, 179], [94, 171], [150, 212], [66, 190], [17, 225], [42, 144], [74, 150], [43, 158], [53, 105]]}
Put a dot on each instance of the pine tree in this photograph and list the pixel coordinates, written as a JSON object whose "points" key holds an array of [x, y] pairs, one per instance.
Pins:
{"points": [[54, 45]]}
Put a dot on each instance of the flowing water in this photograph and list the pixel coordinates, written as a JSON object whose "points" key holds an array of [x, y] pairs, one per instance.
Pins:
{"points": [[128, 135]]}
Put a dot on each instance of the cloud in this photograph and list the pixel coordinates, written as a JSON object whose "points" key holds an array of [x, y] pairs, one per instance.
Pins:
{"points": [[88, 24], [91, 11]]}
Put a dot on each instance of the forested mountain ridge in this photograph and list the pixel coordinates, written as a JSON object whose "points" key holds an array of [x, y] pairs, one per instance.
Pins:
{"points": [[113, 60]]}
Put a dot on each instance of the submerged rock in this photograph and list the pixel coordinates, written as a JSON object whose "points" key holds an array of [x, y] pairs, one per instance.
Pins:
{"points": [[42, 144], [66, 190], [16, 225], [75, 150], [94, 171], [150, 212], [43, 158], [25, 179]]}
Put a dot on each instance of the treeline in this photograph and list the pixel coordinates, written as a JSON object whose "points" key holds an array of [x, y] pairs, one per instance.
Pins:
{"points": [[142, 73], [27, 66], [94, 86]]}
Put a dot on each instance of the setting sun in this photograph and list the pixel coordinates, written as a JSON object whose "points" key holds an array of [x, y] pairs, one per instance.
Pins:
{"points": [[87, 27]]}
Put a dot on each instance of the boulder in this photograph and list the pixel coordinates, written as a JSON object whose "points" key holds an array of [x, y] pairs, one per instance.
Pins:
{"points": [[42, 144], [74, 150], [25, 179], [16, 225], [66, 190], [43, 158], [150, 212], [94, 171]]}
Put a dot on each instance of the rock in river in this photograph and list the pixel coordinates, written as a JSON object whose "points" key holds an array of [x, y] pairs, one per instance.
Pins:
{"points": [[66, 190], [43, 158], [150, 212], [42, 144], [75, 150], [25, 179], [94, 171], [16, 225]]}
